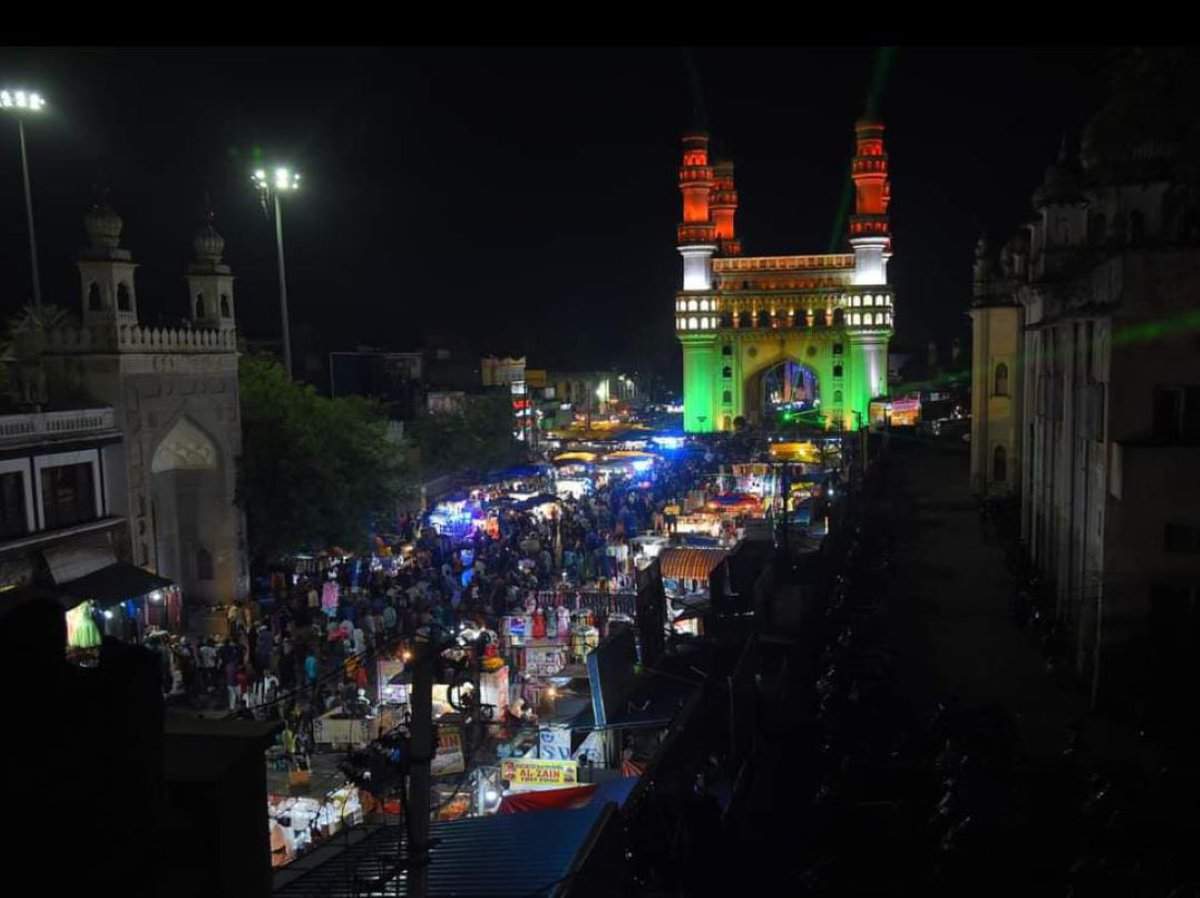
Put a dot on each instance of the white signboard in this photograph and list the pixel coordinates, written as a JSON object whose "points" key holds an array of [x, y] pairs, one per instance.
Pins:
{"points": [[545, 661], [554, 744]]}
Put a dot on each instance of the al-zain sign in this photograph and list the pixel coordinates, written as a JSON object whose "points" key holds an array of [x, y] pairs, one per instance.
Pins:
{"points": [[539, 774]]}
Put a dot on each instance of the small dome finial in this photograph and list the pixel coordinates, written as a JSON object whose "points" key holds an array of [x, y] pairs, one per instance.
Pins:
{"points": [[102, 223], [208, 244]]}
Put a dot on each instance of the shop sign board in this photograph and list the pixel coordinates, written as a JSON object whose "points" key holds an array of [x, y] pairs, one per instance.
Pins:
{"points": [[545, 661], [554, 744], [449, 757], [539, 774]]}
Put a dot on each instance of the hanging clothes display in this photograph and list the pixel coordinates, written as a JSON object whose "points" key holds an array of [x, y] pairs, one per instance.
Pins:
{"points": [[82, 632], [329, 597]]}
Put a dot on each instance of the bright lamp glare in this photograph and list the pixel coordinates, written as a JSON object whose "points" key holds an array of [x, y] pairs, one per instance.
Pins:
{"points": [[21, 99]]}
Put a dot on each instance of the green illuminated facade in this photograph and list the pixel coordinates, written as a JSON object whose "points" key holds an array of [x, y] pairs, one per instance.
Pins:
{"points": [[807, 334]]}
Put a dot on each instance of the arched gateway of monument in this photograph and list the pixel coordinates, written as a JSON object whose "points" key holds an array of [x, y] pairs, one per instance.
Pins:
{"points": [[175, 394], [825, 319]]}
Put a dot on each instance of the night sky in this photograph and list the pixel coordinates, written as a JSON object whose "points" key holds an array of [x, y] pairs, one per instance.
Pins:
{"points": [[519, 199]]}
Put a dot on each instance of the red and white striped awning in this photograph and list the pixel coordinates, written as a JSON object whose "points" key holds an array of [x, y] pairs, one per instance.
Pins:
{"points": [[689, 563]]}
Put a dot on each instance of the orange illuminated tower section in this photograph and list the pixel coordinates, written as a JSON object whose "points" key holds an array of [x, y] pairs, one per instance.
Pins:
{"points": [[870, 232], [723, 202], [697, 234]]}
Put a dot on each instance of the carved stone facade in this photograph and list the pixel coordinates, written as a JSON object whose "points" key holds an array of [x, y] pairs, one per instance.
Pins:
{"points": [[175, 395]]}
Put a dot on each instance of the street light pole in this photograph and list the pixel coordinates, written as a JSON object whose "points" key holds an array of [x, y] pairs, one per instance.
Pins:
{"points": [[283, 309], [282, 180], [21, 103], [33, 258]]}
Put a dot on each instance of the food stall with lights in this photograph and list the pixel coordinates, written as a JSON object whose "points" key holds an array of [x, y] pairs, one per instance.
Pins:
{"points": [[122, 601]]}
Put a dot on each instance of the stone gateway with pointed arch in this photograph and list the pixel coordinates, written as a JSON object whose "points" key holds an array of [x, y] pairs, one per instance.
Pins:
{"points": [[825, 318], [175, 394]]}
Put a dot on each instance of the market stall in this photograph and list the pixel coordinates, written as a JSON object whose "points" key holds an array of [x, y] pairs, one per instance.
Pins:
{"points": [[298, 824]]}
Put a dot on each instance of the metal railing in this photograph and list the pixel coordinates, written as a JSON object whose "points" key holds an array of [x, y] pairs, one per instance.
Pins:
{"points": [[50, 425]]}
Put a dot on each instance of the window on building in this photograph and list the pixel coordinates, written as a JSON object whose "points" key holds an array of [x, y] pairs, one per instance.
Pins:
{"points": [[199, 306], [68, 495], [224, 305], [999, 465], [839, 319], [727, 371], [837, 370], [1137, 227], [764, 319], [744, 320], [1181, 539], [837, 397], [1001, 380], [204, 564], [95, 304], [726, 349], [727, 397], [13, 521], [123, 302]]}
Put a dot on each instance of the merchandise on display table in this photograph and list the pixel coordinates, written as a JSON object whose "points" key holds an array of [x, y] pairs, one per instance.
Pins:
{"points": [[298, 824]]}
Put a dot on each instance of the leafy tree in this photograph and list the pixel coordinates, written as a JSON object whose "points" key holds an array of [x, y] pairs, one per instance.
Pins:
{"points": [[314, 472], [479, 437]]}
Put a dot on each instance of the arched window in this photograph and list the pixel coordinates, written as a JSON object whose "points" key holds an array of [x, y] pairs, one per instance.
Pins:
{"points": [[837, 397], [693, 323], [199, 305], [857, 300], [764, 319], [868, 318], [204, 564], [1097, 228], [837, 370], [839, 318], [225, 305], [726, 349], [1137, 227], [999, 465], [727, 371], [727, 397], [94, 302], [837, 349], [1001, 379], [123, 303], [693, 305], [745, 320]]}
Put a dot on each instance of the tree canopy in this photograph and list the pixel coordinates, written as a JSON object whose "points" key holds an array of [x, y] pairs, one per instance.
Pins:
{"points": [[314, 472], [478, 437]]}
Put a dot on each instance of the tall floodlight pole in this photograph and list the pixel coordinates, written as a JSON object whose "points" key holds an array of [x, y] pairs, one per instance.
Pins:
{"points": [[20, 103], [283, 180]]}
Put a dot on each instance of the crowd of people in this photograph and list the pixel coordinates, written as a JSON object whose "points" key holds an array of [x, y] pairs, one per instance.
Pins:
{"points": [[297, 648]]}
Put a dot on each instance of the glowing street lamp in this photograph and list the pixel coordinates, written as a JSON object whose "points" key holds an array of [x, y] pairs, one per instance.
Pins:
{"points": [[281, 180], [21, 103]]}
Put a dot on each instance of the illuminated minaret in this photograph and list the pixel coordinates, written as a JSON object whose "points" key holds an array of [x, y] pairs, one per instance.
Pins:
{"points": [[870, 233], [697, 235], [724, 202], [697, 244], [871, 237]]}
